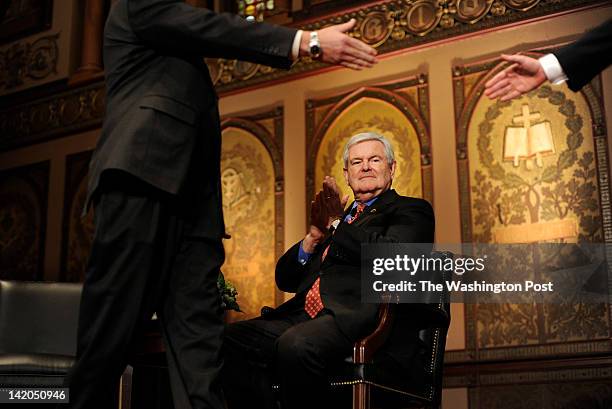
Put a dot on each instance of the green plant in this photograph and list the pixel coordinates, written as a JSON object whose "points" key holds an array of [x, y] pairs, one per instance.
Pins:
{"points": [[228, 294]]}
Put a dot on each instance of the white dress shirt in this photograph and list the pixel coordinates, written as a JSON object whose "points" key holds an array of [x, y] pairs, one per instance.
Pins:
{"points": [[552, 69]]}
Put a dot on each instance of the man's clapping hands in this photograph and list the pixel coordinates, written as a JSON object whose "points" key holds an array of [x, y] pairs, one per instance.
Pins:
{"points": [[326, 207]]}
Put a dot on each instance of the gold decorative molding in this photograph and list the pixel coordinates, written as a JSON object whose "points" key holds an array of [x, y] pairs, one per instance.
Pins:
{"points": [[35, 60], [597, 347], [70, 111], [483, 375], [399, 24], [581, 388]]}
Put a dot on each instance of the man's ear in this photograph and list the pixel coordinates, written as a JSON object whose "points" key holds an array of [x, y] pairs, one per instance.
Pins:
{"points": [[393, 169], [346, 176]]}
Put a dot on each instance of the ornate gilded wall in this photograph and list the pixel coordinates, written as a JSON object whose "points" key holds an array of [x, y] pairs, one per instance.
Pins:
{"points": [[36, 43], [533, 169], [252, 185], [501, 357]]}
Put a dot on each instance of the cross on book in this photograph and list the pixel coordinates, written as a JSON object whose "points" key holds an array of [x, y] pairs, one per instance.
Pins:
{"points": [[531, 140]]}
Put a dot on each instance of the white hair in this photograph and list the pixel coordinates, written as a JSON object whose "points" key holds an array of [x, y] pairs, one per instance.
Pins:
{"points": [[368, 136]]}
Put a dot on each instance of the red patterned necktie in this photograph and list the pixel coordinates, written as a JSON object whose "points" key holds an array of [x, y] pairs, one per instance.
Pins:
{"points": [[314, 303]]}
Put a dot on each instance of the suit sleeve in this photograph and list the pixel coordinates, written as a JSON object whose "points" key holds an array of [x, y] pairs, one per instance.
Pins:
{"points": [[585, 58], [179, 27], [412, 223], [289, 272]]}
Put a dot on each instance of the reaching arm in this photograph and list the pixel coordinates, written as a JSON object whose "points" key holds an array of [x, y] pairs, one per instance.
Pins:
{"points": [[588, 56], [176, 26], [577, 63]]}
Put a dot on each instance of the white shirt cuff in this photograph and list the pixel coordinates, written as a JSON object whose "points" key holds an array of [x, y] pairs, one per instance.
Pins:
{"points": [[552, 69], [297, 40]]}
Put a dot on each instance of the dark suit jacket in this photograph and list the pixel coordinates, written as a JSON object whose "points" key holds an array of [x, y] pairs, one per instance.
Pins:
{"points": [[391, 219], [162, 120], [587, 57]]}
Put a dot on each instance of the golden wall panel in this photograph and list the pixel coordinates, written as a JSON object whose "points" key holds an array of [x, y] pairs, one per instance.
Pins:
{"points": [[533, 169], [66, 112], [251, 179]]}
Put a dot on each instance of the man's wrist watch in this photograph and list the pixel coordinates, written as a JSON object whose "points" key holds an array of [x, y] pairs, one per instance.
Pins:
{"points": [[314, 45]]}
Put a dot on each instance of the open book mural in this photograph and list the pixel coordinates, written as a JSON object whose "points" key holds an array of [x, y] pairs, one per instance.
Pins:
{"points": [[530, 141]]}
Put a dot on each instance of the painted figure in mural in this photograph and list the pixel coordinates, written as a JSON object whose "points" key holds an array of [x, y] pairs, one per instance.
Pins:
{"points": [[296, 342], [238, 204], [577, 63], [236, 196], [155, 186]]}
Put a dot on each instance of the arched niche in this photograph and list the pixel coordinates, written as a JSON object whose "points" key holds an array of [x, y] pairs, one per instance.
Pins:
{"points": [[252, 187]]}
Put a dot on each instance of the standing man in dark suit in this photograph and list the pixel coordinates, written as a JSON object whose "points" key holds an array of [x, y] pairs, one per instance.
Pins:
{"points": [[154, 183], [577, 63], [297, 342]]}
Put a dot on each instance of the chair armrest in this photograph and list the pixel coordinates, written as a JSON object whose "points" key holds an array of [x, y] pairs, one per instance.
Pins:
{"points": [[364, 349]]}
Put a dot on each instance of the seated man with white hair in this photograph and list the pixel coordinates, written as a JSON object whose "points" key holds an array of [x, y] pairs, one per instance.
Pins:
{"points": [[297, 342]]}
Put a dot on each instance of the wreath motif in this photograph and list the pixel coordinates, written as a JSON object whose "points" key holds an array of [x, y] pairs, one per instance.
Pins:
{"points": [[557, 197]]}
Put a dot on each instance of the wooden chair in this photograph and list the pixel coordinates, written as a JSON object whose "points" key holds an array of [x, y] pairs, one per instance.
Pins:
{"points": [[400, 364]]}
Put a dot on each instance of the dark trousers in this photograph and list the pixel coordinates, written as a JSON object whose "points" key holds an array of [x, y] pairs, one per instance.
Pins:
{"points": [[143, 261], [292, 350]]}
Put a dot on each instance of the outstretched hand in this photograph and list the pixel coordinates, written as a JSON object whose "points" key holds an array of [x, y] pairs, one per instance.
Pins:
{"points": [[524, 75], [339, 48]]}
